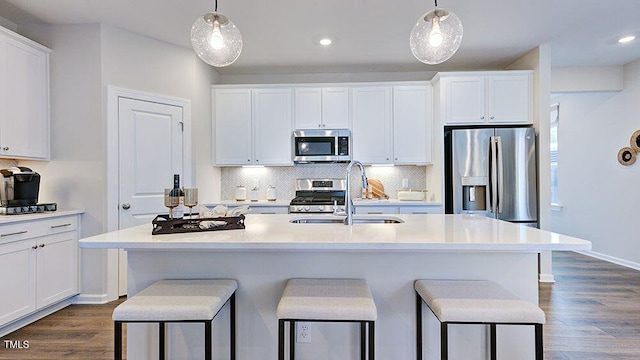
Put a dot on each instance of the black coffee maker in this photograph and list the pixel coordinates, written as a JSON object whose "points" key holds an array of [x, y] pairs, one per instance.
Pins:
{"points": [[20, 186]]}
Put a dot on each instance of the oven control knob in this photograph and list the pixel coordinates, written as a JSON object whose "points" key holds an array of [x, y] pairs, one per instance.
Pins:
{"points": [[320, 207], [306, 208]]}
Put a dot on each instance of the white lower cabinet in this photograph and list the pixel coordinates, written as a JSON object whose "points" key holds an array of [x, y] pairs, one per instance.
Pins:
{"points": [[431, 209], [398, 209], [40, 263]]}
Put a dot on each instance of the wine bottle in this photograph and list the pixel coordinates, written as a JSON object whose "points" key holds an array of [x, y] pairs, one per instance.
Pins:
{"points": [[178, 212]]}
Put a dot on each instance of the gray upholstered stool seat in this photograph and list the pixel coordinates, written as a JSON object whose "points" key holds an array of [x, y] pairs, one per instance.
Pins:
{"points": [[178, 301], [475, 302], [329, 300]]}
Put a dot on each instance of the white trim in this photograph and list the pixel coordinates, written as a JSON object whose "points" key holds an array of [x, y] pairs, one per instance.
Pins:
{"points": [[611, 259], [91, 299], [113, 95], [546, 278], [13, 326], [556, 207]]}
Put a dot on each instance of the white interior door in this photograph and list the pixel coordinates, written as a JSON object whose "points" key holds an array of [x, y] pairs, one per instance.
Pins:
{"points": [[150, 148]]}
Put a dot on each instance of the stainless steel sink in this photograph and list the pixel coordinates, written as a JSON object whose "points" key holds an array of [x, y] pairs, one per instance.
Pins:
{"points": [[340, 220]]}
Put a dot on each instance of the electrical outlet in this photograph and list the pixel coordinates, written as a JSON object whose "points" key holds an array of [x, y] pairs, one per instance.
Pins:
{"points": [[303, 332]]}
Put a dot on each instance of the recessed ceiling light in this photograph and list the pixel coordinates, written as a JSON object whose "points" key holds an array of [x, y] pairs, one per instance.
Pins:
{"points": [[325, 42], [626, 39]]}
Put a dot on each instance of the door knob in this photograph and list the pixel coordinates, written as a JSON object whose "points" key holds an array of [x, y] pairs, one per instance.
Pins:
{"points": [[126, 206]]}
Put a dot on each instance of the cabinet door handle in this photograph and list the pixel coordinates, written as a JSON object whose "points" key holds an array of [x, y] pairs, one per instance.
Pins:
{"points": [[41, 245], [492, 118], [15, 233], [374, 212], [34, 247], [481, 117], [5, 148], [59, 226]]}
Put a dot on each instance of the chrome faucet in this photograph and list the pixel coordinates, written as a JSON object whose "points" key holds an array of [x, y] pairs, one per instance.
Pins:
{"points": [[348, 202]]}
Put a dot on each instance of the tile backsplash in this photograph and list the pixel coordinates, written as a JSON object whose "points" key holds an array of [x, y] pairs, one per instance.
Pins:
{"points": [[283, 178]]}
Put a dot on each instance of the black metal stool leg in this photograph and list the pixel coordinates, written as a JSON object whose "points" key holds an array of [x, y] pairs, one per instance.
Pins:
{"points": [[418, 327], [444, 347], [232, 326], [539, 345], [493, 341], [372, 337], [161, 337], [208, 349], [280, 339], [117, 337], [363, 340], [292, 340]]}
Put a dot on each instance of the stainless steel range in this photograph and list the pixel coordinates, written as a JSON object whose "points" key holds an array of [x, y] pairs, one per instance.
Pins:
{"points": [[318, 196]]}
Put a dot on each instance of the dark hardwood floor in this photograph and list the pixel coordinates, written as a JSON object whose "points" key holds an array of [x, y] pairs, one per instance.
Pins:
{"points": [[593, 309], [593, 312]]}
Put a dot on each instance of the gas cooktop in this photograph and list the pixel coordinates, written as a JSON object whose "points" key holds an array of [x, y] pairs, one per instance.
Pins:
{"points": [[27, 209]]}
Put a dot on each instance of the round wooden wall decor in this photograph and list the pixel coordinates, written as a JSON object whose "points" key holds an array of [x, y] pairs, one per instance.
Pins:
{"points": [[626, 156], [635, 141]]}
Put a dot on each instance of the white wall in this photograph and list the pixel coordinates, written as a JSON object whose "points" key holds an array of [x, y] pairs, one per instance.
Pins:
{"points": [[600, 78], [600, 197], [75, 176], [85, 60], [326, 77], [140, 63]]}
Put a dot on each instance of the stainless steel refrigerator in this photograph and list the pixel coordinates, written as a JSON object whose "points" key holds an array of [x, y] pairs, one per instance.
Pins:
{"points": [[492, 172]]}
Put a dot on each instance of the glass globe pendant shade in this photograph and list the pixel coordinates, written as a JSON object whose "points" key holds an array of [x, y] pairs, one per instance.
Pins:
{"points": [[436, 36], [216, 40]]}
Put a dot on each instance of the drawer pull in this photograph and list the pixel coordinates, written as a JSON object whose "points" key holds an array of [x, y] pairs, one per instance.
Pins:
{"points": [[59, 226], [15, 233], [34, 247], [375, 212], [41, 245]]}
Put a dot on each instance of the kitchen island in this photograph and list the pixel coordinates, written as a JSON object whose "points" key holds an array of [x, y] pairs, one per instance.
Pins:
{"points": [[272, 249]]}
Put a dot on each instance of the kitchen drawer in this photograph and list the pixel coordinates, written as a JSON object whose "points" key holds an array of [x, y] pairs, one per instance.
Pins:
{"points": [[376, 209], [34, 228], [420, 209]]}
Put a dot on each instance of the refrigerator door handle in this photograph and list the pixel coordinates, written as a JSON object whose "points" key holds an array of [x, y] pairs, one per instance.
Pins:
{"points": [[493, 174], [500, 163]]}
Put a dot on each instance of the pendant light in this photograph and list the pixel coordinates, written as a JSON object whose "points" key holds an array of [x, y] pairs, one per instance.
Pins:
{"points": [[436, 36], [216, 39]]}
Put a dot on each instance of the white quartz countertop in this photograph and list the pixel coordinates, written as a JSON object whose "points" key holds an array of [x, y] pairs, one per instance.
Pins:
{"points": [[356, 202], [417, 233], [9, 219]]}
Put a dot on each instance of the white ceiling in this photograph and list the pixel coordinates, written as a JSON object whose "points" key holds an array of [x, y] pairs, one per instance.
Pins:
{"points": [[280, 36]]}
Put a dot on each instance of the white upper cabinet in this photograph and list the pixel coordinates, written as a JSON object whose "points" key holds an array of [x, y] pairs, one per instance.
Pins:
{"points": [[372, 132], [24, 98], [485, 98], [232, 124], [273, 126], [252, 126], [324, 108], [412, 123], [510, 99]]}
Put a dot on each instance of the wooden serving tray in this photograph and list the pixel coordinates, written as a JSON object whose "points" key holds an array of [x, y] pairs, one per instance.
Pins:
{"points": [[163, 225]]}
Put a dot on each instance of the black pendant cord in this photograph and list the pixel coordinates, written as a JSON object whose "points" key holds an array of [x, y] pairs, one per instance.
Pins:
{"points": [[216, 10], [436, 1]]}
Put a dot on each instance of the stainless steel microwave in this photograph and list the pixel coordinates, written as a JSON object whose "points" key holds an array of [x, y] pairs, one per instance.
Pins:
{"points": [[314, 145]]}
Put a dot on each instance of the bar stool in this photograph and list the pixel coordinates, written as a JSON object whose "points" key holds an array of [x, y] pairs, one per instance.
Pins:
{"points": [[474, 302], [327, 300], [179, 301]]}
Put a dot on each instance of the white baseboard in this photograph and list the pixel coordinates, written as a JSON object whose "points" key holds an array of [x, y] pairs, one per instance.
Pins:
{"points": [[91, 299], [20, 323], [611, 259], [546, 278]]}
